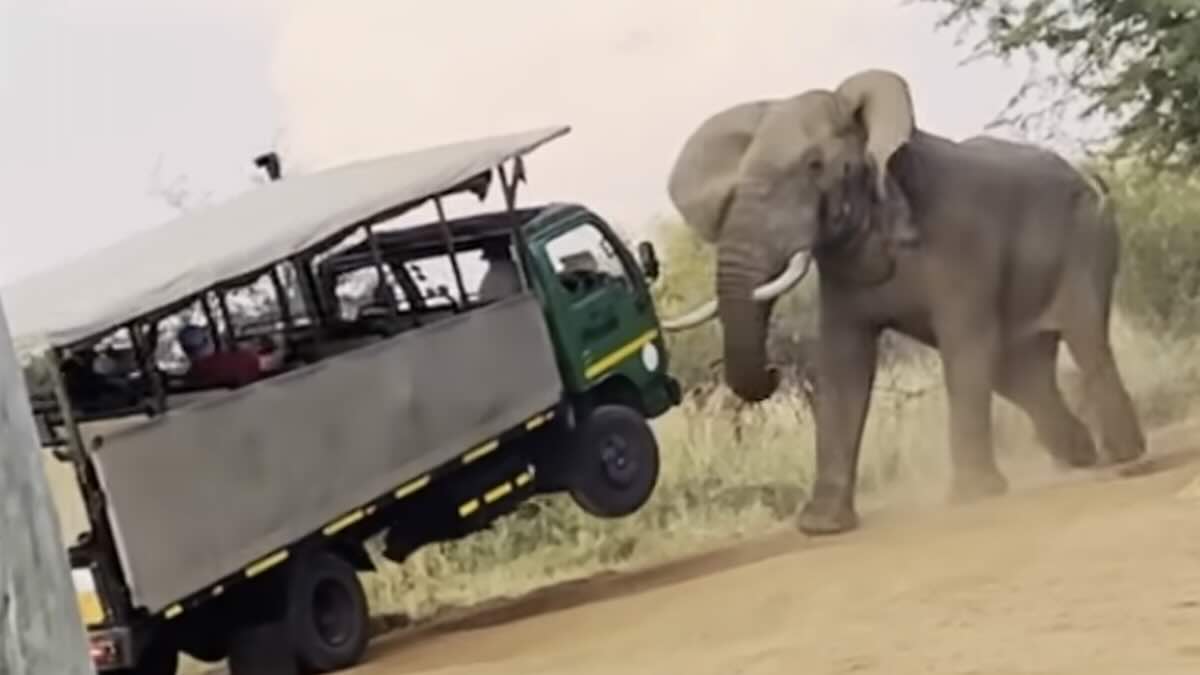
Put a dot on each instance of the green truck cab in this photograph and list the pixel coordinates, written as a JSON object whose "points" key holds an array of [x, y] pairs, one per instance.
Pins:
{"points": [[226, 522], [606, 332]]}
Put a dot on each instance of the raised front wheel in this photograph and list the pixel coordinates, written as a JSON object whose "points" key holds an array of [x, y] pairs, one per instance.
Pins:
{"points": [[615, 462], [327, 614]]}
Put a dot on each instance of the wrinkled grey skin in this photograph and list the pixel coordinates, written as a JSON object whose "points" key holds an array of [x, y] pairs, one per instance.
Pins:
{"points": [[989, 251]]}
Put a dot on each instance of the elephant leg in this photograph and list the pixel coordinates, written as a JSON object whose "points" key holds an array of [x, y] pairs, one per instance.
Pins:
{"points": [[1027, 378], [1086, 334], [969, 361], [845, 377]]}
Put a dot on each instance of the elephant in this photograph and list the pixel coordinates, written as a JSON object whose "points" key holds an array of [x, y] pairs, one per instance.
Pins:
{"points": [[987, 250]]}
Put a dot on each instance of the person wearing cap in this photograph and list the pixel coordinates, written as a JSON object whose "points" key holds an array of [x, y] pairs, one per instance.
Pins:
{"points": [[232, 368], [501, 278]]}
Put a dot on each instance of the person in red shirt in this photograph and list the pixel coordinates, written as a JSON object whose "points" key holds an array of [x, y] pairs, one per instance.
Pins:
{"points": [[211, 368]]}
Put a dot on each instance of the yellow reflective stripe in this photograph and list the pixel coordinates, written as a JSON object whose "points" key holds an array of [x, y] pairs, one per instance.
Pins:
{"points": [[622, 353], [344, 522], [480, 451], [266, 563], [468, 508], [90, 608], [173, 611], [498, 492], [524, 478], [538, 420], [412, 487]]}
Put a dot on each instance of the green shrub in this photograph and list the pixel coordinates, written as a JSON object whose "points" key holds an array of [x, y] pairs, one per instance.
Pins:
{"points": [[1159, 282]]}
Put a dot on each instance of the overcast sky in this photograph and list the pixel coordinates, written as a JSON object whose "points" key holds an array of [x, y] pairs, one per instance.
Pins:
{"points": [[96, 94]]}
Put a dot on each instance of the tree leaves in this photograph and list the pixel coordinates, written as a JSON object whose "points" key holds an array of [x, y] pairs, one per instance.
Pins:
{"points": [[1135, 64]]}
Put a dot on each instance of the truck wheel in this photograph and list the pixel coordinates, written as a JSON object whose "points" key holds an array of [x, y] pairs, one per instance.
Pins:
{"points": [[208, 648], [160, 657], [261, 649], [615, 462], [327, 615]]}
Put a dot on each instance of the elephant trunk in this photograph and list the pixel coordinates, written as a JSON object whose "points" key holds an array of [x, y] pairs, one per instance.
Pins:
{"points": [[742, 265]]}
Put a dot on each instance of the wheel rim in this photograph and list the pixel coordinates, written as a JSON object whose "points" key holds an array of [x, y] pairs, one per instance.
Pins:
{"points": [[619, 462], [332, 612]]}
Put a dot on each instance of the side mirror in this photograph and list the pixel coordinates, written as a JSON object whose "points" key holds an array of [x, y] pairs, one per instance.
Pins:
{"points": [[648, 259]]}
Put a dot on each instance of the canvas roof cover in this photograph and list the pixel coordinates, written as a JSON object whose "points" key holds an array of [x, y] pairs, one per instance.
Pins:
{"points": [[165, 264]]}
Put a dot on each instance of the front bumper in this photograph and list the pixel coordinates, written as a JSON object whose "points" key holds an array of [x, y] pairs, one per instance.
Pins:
{"points": [[662, 394], [674, 391]]}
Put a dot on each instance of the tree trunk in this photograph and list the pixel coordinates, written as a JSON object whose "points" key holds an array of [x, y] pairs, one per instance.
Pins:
{"points": [[41, 630]]}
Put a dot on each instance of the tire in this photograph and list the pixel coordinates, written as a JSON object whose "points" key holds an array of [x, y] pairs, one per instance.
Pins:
{"points": [[160, 657], [615, 462], [327, 616], [207, 649], [261, 649]]}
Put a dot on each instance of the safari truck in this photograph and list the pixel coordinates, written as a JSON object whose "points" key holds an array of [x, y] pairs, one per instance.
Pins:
{"points": [[225, 518]]}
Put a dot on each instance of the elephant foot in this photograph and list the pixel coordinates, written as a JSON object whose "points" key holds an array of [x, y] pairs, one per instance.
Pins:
{"points": [[1125, 453], [1079, 452], [816, 520], [974, 486]]}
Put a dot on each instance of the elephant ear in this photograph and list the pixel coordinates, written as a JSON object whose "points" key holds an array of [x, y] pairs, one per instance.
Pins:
{"points": [[881, 100], [705, 173]]}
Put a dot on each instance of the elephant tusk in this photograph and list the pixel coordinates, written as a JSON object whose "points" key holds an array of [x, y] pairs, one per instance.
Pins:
{"points": [[796, 270], [693, 318]]}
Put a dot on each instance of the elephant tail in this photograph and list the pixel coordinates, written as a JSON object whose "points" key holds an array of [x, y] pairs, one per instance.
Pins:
{"points": [[1099, 187], [1101, 236]]}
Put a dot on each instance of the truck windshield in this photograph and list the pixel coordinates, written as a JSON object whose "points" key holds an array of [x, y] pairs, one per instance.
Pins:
{"points": [[585, 260]]}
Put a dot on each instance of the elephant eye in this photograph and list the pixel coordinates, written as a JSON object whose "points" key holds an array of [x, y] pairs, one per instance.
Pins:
{"points": [[810, 161]]}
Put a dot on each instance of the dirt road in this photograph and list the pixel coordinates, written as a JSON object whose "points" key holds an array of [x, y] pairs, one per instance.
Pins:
{"points": [[1090, 573]]}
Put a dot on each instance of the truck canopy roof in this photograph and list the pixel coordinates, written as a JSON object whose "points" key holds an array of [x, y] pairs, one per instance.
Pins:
{"points": [[427, 239], [163, 265]]}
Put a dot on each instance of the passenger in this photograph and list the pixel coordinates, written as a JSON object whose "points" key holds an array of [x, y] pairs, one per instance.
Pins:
{"points": [[380, 304], [233, 368], [501, 278], [93, 391], [106, 363]]}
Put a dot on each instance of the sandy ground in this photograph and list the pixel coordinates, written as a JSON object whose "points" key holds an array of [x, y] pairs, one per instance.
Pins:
{"points": [[1095, 573], [1091, 573]]}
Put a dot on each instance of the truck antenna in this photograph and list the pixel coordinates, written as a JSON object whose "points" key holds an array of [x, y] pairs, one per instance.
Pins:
{"points": [[269, 162]]}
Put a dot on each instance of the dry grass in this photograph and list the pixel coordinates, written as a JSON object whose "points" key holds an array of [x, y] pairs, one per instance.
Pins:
{"points": [[717, 485]]}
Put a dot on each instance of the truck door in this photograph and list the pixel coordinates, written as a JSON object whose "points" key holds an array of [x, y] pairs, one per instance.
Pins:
{"points": [[599, 305]]}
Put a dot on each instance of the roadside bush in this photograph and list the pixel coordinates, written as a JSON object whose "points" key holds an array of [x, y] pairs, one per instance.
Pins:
{"points": [[1159, 283]]}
